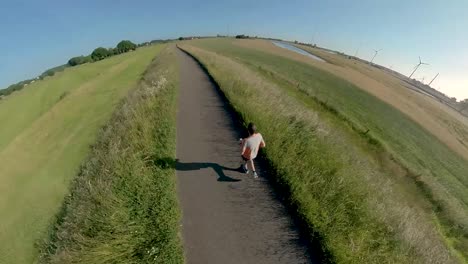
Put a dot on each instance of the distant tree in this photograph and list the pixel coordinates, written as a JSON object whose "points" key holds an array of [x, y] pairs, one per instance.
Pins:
{"points": [[15, 87], [113, 51], [79, 60], [10, 89], [49, 73], [143, 44], [87, 59], [75, 61], [157, 41], [99, 54], [242, 36], [125, 46], [52, 71], [181, 38]]}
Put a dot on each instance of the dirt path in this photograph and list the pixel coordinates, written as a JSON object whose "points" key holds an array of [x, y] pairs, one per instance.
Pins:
{"points": [[228, 217]]}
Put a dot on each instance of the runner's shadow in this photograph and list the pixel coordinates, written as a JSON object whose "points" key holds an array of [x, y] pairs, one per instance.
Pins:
{"points": [[192, 166]]}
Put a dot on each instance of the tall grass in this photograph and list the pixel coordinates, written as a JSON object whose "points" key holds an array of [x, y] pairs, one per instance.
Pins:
{"points": [[122, 206], [340, 189], [46, 130], [437, 171]]}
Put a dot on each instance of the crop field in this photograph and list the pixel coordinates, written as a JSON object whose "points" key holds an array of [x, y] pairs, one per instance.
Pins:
{"points": [[377, 170], [46, 132]]}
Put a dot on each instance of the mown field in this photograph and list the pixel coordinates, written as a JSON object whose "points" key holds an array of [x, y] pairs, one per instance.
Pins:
{"points": [[46, 131], [376, 184]]}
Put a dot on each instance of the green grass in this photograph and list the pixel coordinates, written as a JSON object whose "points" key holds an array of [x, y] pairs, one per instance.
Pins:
{"points": [[47, 129], [345, 164], [123, 205], [439, 171]]}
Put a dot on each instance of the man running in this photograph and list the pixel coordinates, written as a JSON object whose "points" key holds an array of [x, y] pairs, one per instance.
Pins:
{"points": [[250, 148]]}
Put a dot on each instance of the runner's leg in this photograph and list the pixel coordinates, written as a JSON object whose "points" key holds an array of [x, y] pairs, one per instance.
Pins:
{"points": [[252, 166]]}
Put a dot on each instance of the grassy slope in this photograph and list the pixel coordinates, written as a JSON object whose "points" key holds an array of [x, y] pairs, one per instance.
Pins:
{"points": [[444, 123], [454, 124], [414, 227], [123, 205], [440, 172], [46, 132]]}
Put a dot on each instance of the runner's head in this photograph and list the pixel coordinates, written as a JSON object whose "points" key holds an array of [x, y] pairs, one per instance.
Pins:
{"points": [[252, 128]]}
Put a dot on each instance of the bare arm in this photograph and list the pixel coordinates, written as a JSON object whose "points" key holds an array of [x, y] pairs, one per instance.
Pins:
{"points": [[242, 144], [262, 144]]}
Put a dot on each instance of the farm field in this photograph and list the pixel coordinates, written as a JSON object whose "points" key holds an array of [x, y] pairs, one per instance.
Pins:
{"points": [[47, 130], [379, 179]]}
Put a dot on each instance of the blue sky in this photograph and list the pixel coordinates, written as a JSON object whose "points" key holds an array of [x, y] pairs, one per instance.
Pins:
{"points": [[36, 35]]}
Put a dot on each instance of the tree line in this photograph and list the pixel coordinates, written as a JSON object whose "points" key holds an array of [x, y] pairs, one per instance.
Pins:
{"points": [[97, 55], [101, 53]]}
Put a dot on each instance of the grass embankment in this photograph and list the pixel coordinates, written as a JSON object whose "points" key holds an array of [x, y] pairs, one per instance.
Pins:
{"points": [[444, 123], [364, 213], [46, 130], [438, 172], [123, 206]]}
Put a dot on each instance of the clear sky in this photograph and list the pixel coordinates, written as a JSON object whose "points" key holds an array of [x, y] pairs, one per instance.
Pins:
{"points": [[36, 35]]}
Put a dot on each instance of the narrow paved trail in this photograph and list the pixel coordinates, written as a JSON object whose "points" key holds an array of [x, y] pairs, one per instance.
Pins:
{"points": [[228, 217]]}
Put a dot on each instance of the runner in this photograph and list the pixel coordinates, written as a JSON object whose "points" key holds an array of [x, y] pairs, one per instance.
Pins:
{"points": [[250, 148]]}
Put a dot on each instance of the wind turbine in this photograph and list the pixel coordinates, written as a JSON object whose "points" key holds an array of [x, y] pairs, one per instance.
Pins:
{"points": [[417, 66], [376, 52], [357, 50], [433, 79], [314, 34]]}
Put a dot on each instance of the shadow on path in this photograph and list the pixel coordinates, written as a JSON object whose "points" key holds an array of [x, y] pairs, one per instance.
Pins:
{"points": [[166, 163]]}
